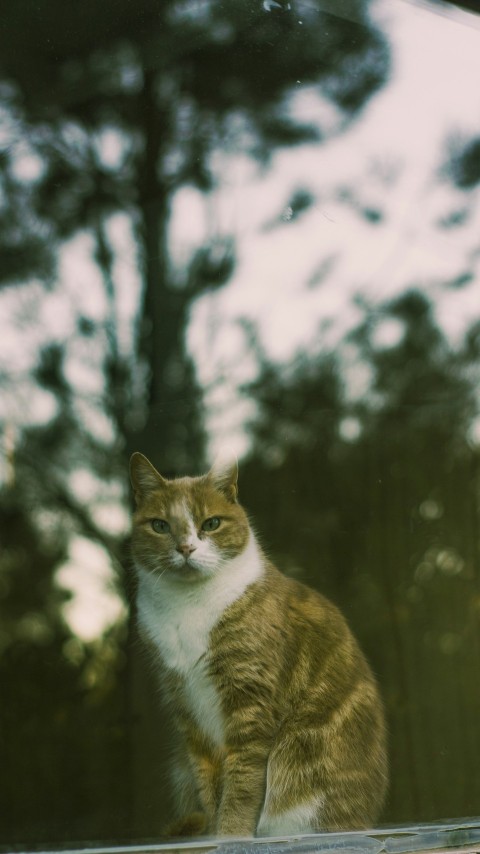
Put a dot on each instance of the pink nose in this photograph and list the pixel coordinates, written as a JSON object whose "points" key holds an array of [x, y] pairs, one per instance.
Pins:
{"points": [[185, 549]]}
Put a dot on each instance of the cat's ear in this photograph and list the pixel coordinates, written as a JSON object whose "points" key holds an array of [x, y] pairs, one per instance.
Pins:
{"points": [[144, 477], [224, 476]]}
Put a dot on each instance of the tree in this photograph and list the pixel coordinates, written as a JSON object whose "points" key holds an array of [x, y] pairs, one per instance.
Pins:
{"points": [[112, 109], [171, 81]]}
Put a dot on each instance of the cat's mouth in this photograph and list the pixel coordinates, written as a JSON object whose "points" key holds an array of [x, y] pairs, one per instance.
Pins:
{"points": [[188, 569]]}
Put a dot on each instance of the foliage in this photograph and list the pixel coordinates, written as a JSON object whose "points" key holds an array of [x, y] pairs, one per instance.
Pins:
{"points": [[111, 109], [465, 165]]}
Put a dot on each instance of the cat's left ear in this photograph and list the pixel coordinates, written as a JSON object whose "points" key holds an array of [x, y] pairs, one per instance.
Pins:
{"points": [[144, 477], [224, 476]]}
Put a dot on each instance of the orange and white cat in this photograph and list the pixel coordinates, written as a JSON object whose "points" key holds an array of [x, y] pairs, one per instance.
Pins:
{"points": [[280, 725]]}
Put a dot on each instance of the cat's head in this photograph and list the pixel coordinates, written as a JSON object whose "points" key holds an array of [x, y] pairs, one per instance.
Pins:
{"points": [[188, 528]]}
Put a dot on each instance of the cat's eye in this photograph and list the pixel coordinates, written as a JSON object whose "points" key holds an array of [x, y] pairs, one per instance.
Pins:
{"points": [[211, 524], [160, 526]]}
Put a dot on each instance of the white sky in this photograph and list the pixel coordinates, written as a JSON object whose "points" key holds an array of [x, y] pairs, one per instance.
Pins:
{"points": [[94, 605], [388, 159]]}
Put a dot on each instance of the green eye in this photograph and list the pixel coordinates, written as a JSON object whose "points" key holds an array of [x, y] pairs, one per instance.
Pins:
{"points": [[160, 526], [211, 524]]}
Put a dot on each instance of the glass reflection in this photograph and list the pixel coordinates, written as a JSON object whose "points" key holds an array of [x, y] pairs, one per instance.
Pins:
{"points": [[246, 229]]}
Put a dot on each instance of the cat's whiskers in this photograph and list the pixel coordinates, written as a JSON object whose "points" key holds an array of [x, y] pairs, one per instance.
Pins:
{"points": [[158, 577]]}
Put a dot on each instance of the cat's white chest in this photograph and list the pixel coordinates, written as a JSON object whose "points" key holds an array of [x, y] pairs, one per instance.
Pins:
{"points": [[204, 702], [179, 630], [180, 627], [178, 620]]}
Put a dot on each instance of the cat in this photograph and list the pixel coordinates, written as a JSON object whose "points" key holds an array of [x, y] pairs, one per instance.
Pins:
{"points": [[279, 720]]}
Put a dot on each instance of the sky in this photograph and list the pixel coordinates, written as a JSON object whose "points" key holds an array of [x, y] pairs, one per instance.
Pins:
{"points": [[297, 279], [373, 229]]}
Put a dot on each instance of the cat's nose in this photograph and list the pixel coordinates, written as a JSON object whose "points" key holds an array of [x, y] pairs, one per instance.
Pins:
{"points": [[185, 549]]}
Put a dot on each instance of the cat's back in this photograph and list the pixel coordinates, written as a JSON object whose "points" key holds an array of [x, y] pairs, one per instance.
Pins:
{"points": [[288, 610], [283, 632]]}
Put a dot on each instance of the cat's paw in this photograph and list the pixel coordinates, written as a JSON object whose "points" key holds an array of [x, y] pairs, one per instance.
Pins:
{"points": [[194, 824]]}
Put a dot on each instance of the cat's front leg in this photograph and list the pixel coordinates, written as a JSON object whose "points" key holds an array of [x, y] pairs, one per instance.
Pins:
{"points": [[196, 781], [244, 775]]}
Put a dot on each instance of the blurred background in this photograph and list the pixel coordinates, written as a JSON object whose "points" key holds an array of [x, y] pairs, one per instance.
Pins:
{"points": [[236, 228]]}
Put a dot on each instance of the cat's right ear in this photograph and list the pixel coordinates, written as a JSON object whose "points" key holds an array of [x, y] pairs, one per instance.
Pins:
{"points": [[224, 476], [143, 476]]}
